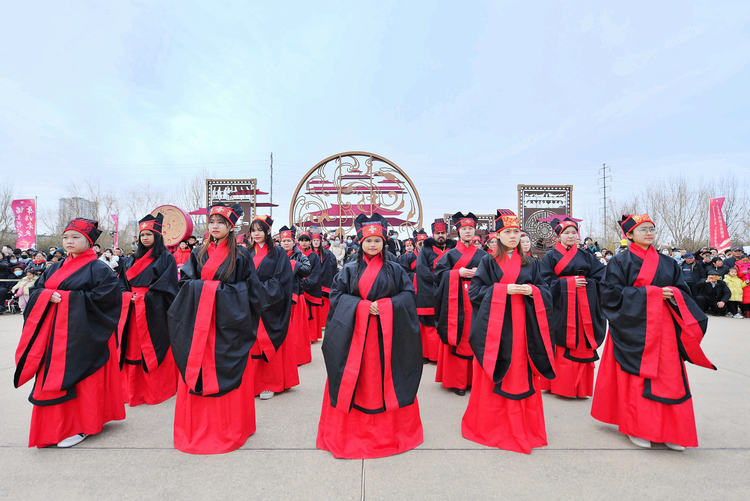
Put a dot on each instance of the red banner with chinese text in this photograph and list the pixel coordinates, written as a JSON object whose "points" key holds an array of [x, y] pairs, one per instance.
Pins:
{"points": [[718, 226], [25, 214]]}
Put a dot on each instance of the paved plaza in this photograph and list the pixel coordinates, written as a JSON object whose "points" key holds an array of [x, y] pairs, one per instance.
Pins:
{"points": [[585, 459]]}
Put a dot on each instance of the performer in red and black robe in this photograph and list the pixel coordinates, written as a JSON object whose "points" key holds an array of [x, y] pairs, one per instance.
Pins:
{"points": [[312, 285], [275, 353], [490, 242], [149, 285], [655, 327], [433, 249], [373, 355], [298, 322], [213, 323], [511, 341], [578, 326], [69, 344], [409, 259], [452, 306], [328, 268]]}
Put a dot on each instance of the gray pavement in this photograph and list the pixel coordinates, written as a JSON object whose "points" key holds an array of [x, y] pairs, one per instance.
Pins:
{"points": [[134, 458]]}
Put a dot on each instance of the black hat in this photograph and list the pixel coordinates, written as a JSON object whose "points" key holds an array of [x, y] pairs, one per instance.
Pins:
{"points": [[717, 258], [439, 225], [87, 227], [506, 218], [459, 220], [232, 214], [285, 232], [559, 225], [152, 223], [373, 226], [629, 222], [713, 272], [265, 220]]}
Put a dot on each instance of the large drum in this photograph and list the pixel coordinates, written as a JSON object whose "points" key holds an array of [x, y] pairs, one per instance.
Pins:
{"points": [[178, 225]]}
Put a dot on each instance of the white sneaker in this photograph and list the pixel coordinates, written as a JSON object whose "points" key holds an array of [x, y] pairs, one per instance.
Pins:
{"points": [[674, 447], [266, 395], [71, 441], [738, 315], [640, 442], [729, 315]]}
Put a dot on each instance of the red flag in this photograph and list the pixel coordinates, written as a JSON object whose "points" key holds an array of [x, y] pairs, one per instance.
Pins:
{"points": [[117, 230], [717, 226], [25, 214]]}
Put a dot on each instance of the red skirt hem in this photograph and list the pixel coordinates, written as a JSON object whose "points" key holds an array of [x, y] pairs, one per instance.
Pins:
{"points": [[280, 373], [153, 388], [453, 371], [572, 379], [430, 343]]}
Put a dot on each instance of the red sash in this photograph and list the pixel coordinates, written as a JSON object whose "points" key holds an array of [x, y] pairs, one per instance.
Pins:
{"points": [[356, 350], [140, 346], [140, 265], [567, 257], [35, 338], [454, 289], [578, 306], [654, 309]]}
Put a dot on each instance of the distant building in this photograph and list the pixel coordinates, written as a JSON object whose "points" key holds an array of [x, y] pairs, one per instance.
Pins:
{"points": [[71, 208]]}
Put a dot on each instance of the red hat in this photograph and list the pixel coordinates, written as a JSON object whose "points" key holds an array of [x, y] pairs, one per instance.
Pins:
{"points": [[231, 214], [420, 235], [439, 225], [304, 234], [506, 218], [285, 232], [87, 227], [408, 241], [265, 220], [152, 223], [559, 225], [629, 222], [459, 220], [316, 236], [374, 226], [490, 236]]}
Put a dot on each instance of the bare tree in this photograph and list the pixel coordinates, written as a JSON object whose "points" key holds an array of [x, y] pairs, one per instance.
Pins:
{"points": [[190, 195], [7, 218]]}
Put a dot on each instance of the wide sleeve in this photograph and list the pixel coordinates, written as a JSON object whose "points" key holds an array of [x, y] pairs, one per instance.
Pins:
{"points": [[276, 302]]}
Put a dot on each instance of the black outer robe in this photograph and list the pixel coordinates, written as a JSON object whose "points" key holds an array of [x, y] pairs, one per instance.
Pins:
{"points": [[408, 262], [161, 279], [237, 312], [406, 360], [426, 283], [583, 264], [94, 306], [277, 285], [442, 280], [329, 267], [625, 306], [312, 284], [301, 270], [481, 292]]}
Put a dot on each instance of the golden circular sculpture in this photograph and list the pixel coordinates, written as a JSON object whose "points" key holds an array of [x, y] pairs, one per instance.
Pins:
{"points": [[341, 187]]}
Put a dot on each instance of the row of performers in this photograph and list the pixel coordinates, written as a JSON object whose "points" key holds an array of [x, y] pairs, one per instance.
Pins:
{"points": [[493, 314]]}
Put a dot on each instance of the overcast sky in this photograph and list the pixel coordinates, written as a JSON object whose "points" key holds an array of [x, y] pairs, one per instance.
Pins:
{"points": [[469, 98]]}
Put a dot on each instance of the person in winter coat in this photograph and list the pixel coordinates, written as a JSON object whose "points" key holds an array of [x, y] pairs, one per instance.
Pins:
{"points": [[716, 293], [735, 286], [110, 259], [717, 264], [743, 272], [182, 253], [21, 289], [339, 250]]}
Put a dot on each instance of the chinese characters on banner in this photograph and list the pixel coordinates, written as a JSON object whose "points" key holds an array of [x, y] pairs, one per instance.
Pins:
{"points": [[117, 228], [718, 226], [25, 214]]}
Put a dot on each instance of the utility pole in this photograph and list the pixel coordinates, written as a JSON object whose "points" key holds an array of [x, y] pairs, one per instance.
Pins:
{"points": [[604, 174], [271, 208]]}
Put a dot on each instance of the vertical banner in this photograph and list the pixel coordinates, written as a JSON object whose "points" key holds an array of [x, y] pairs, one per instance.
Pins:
{"points": [[718, 226], [25, 214], [117, 229]]}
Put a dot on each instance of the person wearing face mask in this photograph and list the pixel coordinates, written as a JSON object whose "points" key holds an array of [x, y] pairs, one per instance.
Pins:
{"points": [[372, 354], [8, 270], [433, 250], [68, 344], [338, 248], [23, 287], [453, 310], [578, 327], [655, 326], [511, 341], [395, 246]]}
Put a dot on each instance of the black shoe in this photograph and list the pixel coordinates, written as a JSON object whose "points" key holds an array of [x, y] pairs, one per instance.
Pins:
{"points": [[460, 393], [425, 360]]}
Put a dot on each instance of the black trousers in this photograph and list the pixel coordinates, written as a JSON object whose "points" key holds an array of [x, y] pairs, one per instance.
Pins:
{"points": [[713, 304]]}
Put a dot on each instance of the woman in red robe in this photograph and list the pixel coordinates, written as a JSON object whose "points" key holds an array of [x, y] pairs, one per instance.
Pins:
{"points": [[312, 285], [373, 355], [511, 342], [654, 327], [213, 324], [149, 285], [298, 322], [275, 364], [68, 344], [578, 326], [453, 310]]}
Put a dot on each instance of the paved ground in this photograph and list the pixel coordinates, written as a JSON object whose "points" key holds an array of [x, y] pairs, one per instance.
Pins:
{"points": [[134, 459]]}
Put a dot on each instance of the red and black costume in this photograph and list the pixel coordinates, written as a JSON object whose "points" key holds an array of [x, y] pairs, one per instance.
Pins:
{"points": [[328, 269], [374, 362], [642, 384], [427, 259], [149, 374], [409, 260], [312, 287], [213, 323], [275, 353], [453, 310], [70, 346], [578, 327], [511, 342], [298, 322]]}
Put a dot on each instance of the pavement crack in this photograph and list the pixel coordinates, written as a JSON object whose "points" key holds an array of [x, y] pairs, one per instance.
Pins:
{"points": [[363, 480], [733, 372]]}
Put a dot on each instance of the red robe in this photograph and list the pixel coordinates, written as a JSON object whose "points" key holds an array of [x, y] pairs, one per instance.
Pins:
{"points": [[374, 365], [642, 384], [425, 285], [512, 346], [70, 350]]}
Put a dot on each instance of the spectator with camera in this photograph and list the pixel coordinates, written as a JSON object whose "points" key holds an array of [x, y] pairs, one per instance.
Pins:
{"points": [[717, 264], [716, 292]]}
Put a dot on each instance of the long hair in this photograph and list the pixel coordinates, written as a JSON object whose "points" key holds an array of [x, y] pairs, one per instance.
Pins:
{"points": [[361, 265], [501, 251], [231, 247], [256, 225], [157, 249]]}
